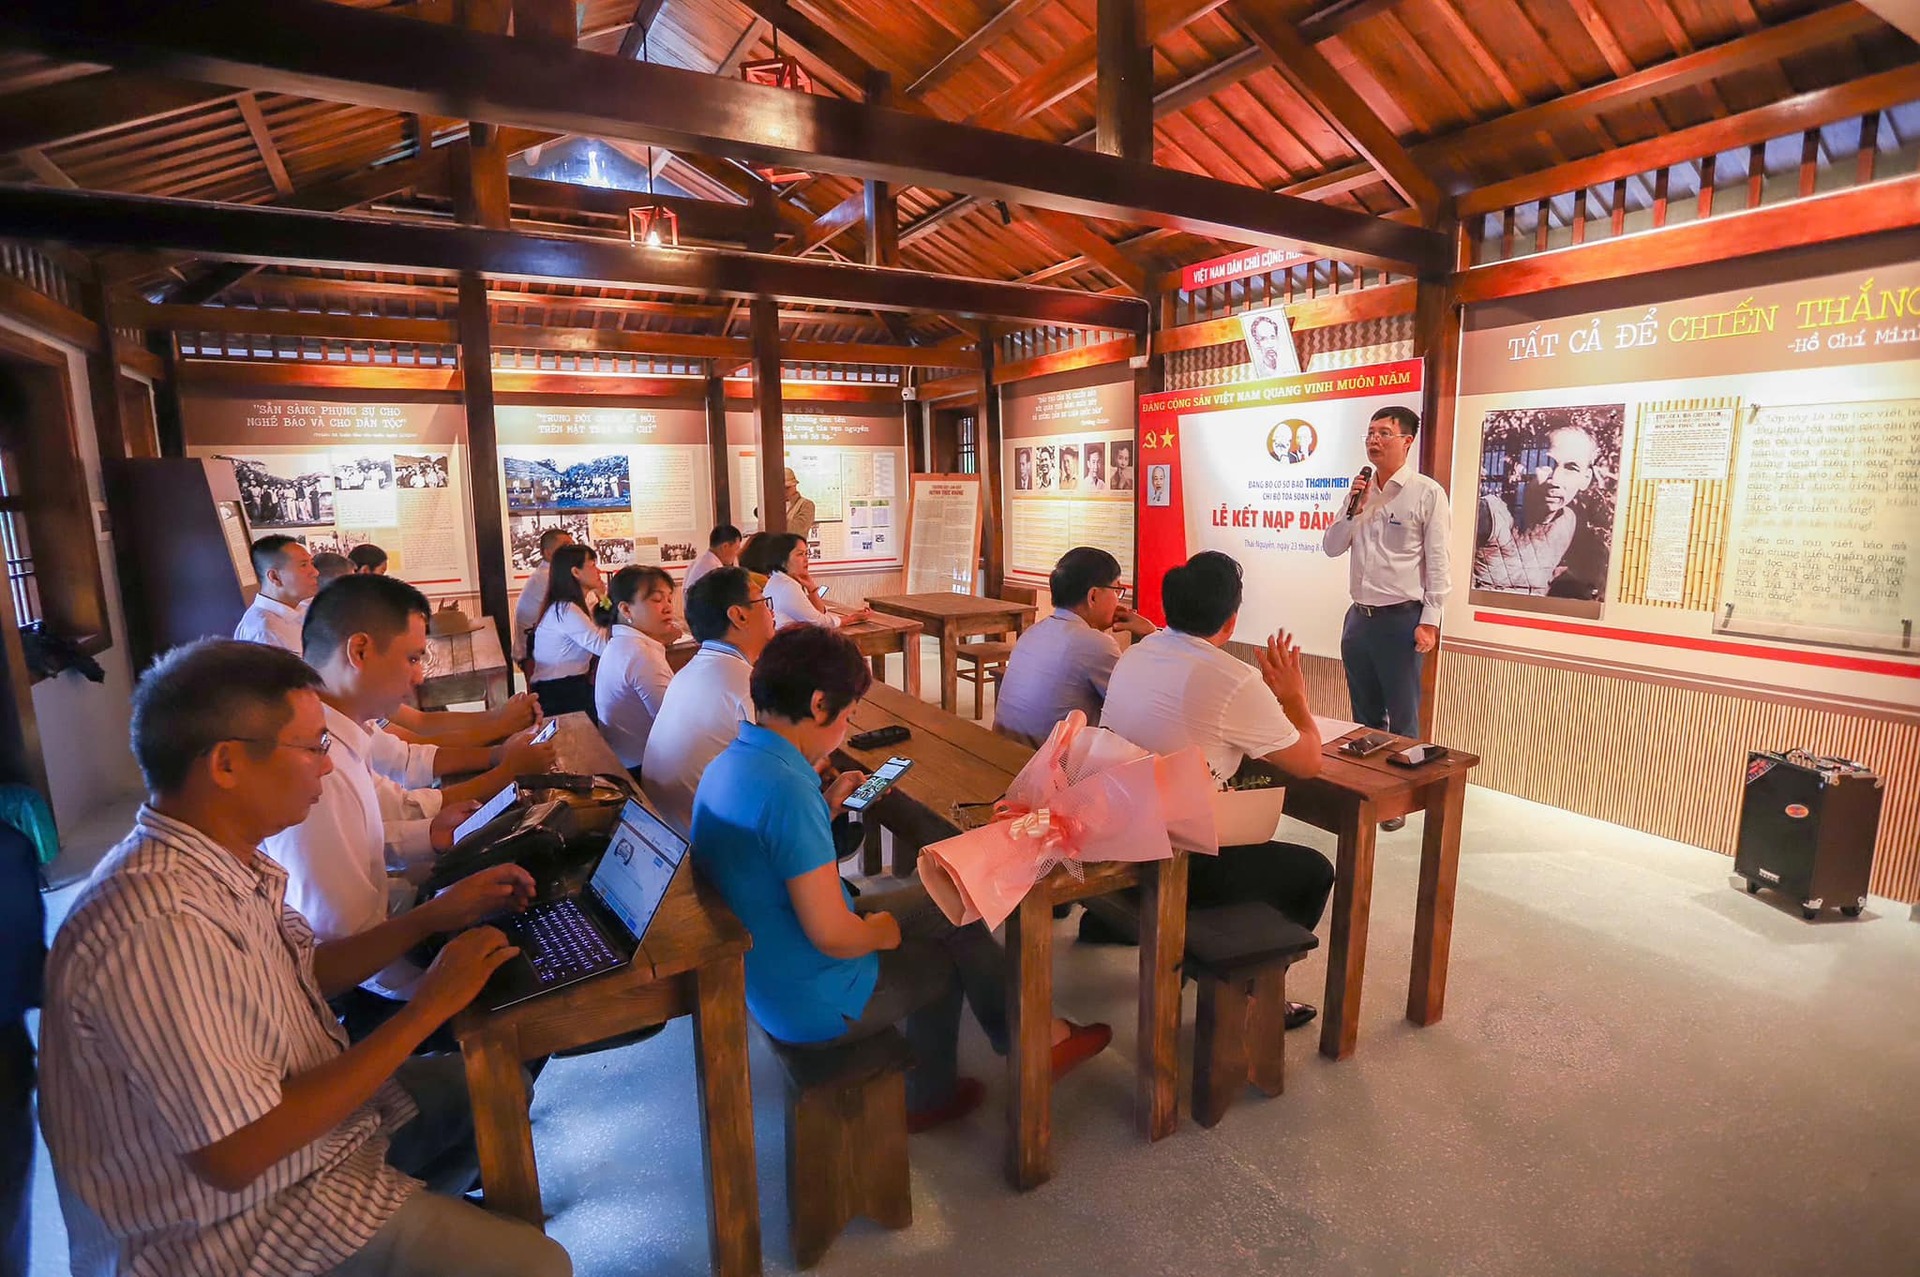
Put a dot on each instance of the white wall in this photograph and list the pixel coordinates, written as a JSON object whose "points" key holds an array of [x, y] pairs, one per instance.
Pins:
{"points": [[84, 726]]}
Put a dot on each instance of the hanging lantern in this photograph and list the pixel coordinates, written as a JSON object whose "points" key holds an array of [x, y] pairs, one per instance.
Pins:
{"points": [[777, 72], [653, 225]]}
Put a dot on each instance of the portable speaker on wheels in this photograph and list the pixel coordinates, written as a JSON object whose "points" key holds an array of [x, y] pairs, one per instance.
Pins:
{"points": [[1807, 828]]}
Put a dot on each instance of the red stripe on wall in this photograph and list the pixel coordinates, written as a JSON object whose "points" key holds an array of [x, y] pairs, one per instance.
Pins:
{"points": [[1825, 660]]}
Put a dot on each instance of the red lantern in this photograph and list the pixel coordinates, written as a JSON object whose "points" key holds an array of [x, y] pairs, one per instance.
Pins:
{"points": [[777, 72], [653, 225]]}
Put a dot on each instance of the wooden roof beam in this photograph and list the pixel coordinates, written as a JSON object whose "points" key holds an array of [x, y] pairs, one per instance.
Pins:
{"points": [[1123, 118], [249, 104], [1016, 12], [230, 232], [637, 30], [1076, 238], [841, 218], [1328, 92], [320, 49]]}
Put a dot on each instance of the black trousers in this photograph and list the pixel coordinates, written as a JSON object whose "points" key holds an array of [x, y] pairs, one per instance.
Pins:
{"points": [[1294, 879], [566, 696], [16, 1147]]}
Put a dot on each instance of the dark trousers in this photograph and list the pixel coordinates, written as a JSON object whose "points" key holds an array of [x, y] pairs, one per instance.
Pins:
{"points": [[1383, 670], [1294, 879], [566, 696], [921, 987], [16, 1147]]}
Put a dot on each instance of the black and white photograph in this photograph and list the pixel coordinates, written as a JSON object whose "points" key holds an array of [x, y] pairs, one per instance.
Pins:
{"points": [[678, 552], [284, 492], [613, 552], [602, 482], [1093, 466], [1549, 489], [1120, 476], [1023, 469], [1159, 485], [370, 473], [416, 470], [1043, 468], [524, 530]]}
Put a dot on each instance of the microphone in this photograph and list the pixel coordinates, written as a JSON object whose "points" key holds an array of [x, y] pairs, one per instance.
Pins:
{"points": [[1353, 502]]}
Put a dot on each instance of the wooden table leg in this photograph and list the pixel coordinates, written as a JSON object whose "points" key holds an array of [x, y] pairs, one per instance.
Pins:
{"points": [[870, 848], [950, 667], [503, 1135], [1433, 918], [726, 1116], [910, 661], [1163, 946], [1030, 1053], [1347, 947], [879, 663], [499, 688]]}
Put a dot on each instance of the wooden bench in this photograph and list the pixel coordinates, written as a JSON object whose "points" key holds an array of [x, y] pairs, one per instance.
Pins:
{"points": [[846, 1139], [980, 662], [1238, 955]]}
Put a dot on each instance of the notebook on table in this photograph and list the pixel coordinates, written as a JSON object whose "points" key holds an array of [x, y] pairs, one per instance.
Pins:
{"points": [[599, 927]]}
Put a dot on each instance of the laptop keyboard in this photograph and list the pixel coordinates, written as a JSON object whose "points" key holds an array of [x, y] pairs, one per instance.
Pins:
{"points": [[563, 942]]}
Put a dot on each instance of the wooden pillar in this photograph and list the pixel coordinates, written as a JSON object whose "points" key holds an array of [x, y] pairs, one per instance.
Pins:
{"points": [[883, 205], [1437, 316], [717, 445], [103, 376], [915, 417], [770, 415], [1149, 379], [1123, 122], [483, 452], [987, 446], [169, 422]]}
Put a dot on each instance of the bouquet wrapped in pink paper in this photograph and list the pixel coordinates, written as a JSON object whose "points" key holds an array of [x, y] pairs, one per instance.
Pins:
{"points": [[1087, 795]]}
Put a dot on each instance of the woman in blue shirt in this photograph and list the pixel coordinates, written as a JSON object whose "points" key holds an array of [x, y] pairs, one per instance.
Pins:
{"points": [[819, 973]]}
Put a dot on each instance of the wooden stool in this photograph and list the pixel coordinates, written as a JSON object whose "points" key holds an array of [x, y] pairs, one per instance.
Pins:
{"points": [[1238, 955], [979, 662], [846, 1139]]}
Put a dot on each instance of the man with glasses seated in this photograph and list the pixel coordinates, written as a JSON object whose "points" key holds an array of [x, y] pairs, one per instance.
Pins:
{"points": [[729, 612], [205, 1113], [1063, 663]]}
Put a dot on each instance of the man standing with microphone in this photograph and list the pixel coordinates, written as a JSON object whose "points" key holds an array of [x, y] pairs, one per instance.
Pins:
{"points": [[1399, 578]]}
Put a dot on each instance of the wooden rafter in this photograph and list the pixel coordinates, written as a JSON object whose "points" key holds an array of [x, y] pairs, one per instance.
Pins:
{"points": [[838, 220], [249, 104], [635, 35], [1016, 12]]}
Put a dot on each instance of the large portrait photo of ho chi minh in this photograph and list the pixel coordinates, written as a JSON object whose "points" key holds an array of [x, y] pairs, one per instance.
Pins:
{"points": [[1544, 516]]}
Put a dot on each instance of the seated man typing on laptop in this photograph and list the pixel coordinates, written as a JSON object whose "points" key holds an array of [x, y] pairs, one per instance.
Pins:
{"points": [[205, 1113], [366, 636]]}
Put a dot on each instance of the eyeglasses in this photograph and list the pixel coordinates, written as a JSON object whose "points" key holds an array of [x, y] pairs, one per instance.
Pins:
{"points": [[326, 743], [1384, 434]]}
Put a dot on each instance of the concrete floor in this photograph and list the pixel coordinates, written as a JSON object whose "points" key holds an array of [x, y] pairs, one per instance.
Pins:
{"points": [[1642, 1071]]}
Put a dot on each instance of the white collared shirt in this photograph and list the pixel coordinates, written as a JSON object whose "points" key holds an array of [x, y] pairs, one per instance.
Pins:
{"points": [[565, 643], [180, 998], [700, 716], [706, 563], [792, 605], [1060, 665], [526, 608], [1171, 690], [272, 622], [406, 764], [1399, 544], [338, 860], [628, 690]]}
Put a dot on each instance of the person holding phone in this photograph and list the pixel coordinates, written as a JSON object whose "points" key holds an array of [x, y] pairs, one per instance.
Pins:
{"points": [[1063, 663], [784, 555], [819, 973], [567, 639]]}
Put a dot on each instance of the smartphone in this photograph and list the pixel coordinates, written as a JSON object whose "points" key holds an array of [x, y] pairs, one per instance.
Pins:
{"points": [[883, 779], [488, 810], [1361, 746], [546, 733]]}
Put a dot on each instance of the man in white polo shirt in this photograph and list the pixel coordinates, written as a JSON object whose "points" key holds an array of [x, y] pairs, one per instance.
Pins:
{"points": [[288, 580], [205, 1113], [709, 699], [1179, 687], [1063, 663]]}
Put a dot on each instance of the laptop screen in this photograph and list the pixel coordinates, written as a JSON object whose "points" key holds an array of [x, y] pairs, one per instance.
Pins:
{"points": [[634, 875]]}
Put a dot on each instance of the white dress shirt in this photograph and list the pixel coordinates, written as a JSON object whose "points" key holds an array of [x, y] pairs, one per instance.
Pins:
{"points": [[338, 859], [565, 643], [706, 563], [180, 998], [628, 690], [1060, 665], [700, 716], [1171, 690], [272, 622], [1399, 544], [526, 608], [406, 764], [792, 605]]}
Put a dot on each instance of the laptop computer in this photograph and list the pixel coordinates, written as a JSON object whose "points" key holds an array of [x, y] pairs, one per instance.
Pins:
{"points": [[598, 928]]}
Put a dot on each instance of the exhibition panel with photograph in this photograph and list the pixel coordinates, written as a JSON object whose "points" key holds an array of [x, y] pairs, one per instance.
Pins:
{"points": [[851, 462], [1068, 468]]}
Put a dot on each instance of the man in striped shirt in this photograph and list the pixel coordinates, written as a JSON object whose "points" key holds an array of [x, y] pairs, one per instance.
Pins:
{"points": [[205, 1113]]}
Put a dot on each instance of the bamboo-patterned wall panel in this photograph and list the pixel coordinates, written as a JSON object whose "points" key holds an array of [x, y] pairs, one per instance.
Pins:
{"points": [[1666, 755]]}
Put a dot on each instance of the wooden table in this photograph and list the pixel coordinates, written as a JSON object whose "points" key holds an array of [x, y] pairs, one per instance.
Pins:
{"points": [[465, 667], [960, 762], [692, 963], [1350, 797], [877, 639], [949, 618]]}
